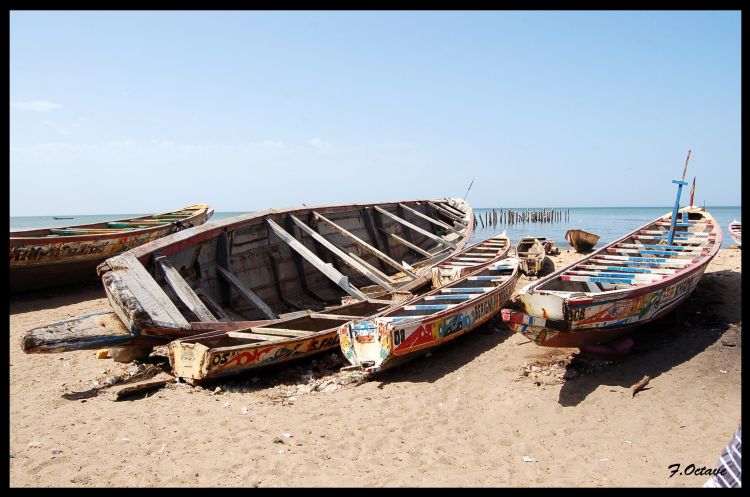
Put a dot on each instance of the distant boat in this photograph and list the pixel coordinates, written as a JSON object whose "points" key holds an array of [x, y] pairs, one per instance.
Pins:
{"points": [[735, 230], [50, 257], [581, 241], [631, 281], [425, 322], [53, 217], [531, 253]]}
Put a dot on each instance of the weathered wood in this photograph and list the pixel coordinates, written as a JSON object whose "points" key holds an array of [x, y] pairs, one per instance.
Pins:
{"points": [[246, 292], [278, 333], [380, 255], [250, 335], [416, 228], [144, 295], [182, 289], [371, 222], [458, 219], [215, 308], [301, 268], [327, 269], [430, 219], [343, 255], [92, 331], [404, 242], [145, 386]]}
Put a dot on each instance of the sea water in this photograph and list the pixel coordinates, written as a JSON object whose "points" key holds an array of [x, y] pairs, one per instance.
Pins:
{"points": [[610, 223]]}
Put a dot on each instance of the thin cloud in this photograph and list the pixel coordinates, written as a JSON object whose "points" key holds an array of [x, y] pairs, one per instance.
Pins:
{"points": [[36, 105], [319, 144]]}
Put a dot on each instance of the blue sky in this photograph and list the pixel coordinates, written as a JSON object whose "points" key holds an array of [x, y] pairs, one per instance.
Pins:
{"points": [[136, 112]]}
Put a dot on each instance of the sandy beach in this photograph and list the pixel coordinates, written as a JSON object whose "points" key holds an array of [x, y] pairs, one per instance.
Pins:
{"points": [[489, 409]]}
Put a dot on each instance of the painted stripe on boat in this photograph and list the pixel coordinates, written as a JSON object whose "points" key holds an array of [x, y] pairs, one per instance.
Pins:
{"points": [[428, 307]]}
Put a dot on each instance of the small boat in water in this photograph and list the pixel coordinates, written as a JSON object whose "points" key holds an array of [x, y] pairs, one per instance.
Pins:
{"points": [[735, 231], [581, 241], [531, 253], [631, 281], [265, 266], [50, 257], [424, 322], [53, 217], [470, 259]]}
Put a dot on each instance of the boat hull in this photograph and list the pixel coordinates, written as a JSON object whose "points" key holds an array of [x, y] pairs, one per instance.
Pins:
{"points": [[581, 241], [40, 262]]}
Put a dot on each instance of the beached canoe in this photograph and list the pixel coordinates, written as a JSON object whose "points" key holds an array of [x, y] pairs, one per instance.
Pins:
{"points": [[530, 252], [470, 259], [735, 231], [424, 322], [581, 241], [263, 266], [50, 257], [256, 344], [631, 281]]}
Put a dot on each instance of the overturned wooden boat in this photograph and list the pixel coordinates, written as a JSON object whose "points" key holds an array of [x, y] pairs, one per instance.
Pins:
{"points": [[424, 322], [581, 241], [470, 259], [50, 257], [263, 266], [631, 281], [735, 231], [530, 252]]}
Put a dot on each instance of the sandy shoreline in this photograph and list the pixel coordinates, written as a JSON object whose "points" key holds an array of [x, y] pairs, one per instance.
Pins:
{"points": [[465, 416]]}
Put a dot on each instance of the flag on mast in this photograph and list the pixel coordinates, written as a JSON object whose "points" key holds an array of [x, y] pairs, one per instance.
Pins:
{"points": [[692, 192]]}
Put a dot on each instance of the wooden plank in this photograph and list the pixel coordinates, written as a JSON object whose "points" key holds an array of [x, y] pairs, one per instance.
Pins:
{"points": [[182, 289], [251, 335], [362, 243], [327, 269], [143, 294], [215, 308], [430, 219], [246, 292], [458, 219], [145, 386], [343, 255], [404, 242], [449, 207], [416, 228], [301, 268], [370, 221]]}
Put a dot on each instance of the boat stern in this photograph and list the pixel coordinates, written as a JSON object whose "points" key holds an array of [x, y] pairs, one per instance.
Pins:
{"points": [[365, 344]]}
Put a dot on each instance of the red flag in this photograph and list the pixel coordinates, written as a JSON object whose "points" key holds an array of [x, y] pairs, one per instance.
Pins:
{"points": [[692, 192]]}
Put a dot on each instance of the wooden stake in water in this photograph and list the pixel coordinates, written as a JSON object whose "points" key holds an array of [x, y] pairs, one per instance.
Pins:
{"points": [[680, 184]]}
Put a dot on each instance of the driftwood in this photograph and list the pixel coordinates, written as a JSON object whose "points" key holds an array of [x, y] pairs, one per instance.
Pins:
{"points": [[136, 388], [640, 385]]}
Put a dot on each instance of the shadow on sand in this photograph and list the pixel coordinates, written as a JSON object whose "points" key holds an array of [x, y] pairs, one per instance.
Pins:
{"points": [[659, 346], [56, 297]]}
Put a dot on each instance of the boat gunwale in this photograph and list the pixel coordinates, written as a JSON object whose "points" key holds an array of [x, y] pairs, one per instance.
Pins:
{"points": [[49, 238]]}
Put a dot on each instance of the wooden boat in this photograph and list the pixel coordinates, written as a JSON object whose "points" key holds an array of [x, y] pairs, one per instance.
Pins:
{"points": [[470, 259], [633, 280], [264, 266], [735, 231], [53, 217], [581, 241], [424, 322], [222, 353], [531, 253], [50, 257]]}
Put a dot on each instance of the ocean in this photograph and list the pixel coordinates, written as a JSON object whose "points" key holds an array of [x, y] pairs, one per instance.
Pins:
{"points": [[609, 223]]}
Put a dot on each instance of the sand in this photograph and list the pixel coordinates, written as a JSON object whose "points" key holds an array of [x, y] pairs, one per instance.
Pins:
{"points": [[489, 409]]}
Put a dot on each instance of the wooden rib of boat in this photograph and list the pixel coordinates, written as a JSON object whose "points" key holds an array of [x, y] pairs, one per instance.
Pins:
{"points": [[531, 253], [470, 259], [50, 257], [735, 231], [631, 281], [581, 241], [265, 266], [410, 329]]}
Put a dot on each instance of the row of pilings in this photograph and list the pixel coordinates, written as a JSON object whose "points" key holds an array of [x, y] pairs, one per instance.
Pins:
{"points": [[492, 217]]}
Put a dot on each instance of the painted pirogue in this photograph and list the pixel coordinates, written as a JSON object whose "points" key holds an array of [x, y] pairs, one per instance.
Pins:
{"points": [[735, 230], [629, 282], [422, 323], [581, 241], [51, 257], [470, 259], [251, 270]]}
